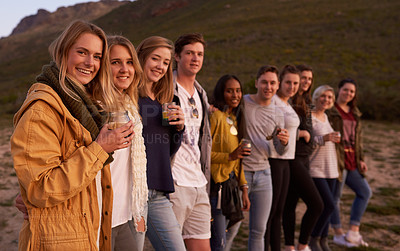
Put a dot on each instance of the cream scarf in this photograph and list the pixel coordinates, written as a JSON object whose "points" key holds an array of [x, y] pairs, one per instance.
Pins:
{"points": [[139, 163]]}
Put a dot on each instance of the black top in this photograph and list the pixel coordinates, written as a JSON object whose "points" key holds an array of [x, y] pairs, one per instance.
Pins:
{"points": [[302, 147], [161, 142]]}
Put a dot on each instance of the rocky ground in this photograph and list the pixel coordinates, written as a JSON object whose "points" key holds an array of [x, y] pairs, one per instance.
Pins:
{"points": [[380, 224]]}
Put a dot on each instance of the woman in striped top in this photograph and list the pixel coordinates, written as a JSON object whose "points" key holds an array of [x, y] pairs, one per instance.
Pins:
{"points": [[323, 163]]}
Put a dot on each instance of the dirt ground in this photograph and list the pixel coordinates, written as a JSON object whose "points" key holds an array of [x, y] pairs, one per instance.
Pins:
{"points": [[380, 225]]}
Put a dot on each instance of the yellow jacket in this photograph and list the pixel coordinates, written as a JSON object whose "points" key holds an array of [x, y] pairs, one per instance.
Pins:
{"points": [[223, 143], [56, 162]]}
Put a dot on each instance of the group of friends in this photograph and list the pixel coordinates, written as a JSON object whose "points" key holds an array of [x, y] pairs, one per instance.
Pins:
{"points": [[88, 185]]}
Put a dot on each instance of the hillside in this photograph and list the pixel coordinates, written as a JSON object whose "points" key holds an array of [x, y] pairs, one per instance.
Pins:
{"points": [[45, 20], [343, 38]]}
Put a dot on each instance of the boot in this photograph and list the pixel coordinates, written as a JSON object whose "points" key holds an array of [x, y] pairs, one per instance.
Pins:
{"points": [[324, 244], [314, 244]]}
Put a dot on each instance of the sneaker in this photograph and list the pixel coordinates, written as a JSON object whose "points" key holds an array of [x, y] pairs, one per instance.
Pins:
{"points": [[355, 238], [340, 240], [307, 248]]}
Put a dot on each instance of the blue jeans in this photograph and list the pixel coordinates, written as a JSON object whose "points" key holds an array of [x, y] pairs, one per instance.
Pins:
{"points": [[356, 182], [163, 229], [260, 195], [221, 238], [326, 189]]}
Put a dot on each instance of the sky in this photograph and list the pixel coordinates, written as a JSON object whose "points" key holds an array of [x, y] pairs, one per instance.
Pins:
{"points": [[12, 11]]}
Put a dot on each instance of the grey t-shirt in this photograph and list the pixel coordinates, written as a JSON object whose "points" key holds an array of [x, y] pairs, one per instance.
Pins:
{"points": [[261, 122]]}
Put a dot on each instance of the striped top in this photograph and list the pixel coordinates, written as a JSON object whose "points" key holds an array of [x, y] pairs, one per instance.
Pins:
{"points": [[323, 161]]}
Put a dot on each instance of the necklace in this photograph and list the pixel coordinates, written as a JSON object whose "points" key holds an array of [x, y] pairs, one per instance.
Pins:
{"points": [[233, 129]]}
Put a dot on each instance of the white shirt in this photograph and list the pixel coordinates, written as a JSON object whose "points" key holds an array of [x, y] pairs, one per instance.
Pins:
{"points": [[186, 169], [121, 176], [292, 122]]}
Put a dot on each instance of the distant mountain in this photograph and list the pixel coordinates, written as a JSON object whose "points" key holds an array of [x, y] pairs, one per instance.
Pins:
{"points": [[358, 39], [63, 15]]}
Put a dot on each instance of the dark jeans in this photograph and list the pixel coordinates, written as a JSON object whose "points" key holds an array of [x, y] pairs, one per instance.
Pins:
{"points": [[280, 175], [301, 186], [326, 188]]}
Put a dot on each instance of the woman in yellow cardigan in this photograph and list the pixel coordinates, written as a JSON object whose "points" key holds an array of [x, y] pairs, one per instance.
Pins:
{"points": [[225, 163]]}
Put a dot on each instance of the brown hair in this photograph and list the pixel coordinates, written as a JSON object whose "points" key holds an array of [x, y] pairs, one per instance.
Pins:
{"points": [[185, 39], [301, 102], [163, 89], [353, 102], [286, 70], [132, 90], [267, 68]]}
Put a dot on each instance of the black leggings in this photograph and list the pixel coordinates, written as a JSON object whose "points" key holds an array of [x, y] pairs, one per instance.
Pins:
{"points": [[280, 175], [301, 186]]}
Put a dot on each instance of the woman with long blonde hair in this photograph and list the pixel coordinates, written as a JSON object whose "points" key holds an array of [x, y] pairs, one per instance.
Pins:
{"points": [[128, 170], [60, 145]]}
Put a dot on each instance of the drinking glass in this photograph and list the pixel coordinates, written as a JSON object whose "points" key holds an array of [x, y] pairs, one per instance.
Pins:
{"points": [[165, 110], [117, 119], [246, 144]]}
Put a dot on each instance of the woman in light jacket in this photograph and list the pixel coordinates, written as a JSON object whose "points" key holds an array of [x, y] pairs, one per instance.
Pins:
{"points": [[59, 145]]}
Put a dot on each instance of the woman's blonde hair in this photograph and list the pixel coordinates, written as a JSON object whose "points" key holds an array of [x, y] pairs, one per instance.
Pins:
{"points": [[132, 90], [163, 90], [321, 90], [101, 87]]}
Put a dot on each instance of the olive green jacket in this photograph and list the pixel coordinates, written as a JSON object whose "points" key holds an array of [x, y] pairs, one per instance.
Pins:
{"points": [[336, 121]]}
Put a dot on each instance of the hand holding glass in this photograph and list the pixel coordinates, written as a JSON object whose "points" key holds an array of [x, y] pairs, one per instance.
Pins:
{"points": [[166, 113], [246, 145], [117, 119]]}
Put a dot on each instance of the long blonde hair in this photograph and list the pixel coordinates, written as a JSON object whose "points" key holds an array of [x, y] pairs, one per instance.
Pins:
{"points": [[101, 87], [132, 90], [163, 90]]}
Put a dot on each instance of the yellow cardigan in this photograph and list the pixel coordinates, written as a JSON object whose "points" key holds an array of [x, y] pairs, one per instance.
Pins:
{"points": [[223, 143]]}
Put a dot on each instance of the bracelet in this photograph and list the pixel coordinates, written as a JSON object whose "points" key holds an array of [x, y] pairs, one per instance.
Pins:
{"points": [[244, 186]]}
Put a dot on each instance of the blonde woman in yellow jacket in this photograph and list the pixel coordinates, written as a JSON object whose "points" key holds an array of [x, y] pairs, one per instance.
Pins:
{"points": [[59, 146], [226, 154]]}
